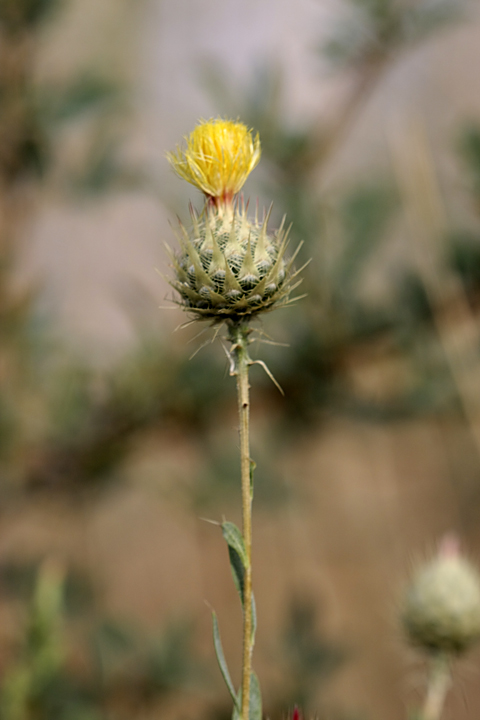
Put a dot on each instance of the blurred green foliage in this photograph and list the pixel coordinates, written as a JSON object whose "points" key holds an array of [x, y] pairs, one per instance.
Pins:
{"points": [[24, 15], [382, 27], [122, 667]]}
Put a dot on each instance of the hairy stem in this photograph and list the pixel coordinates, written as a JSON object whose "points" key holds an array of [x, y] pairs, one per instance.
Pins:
{"points": [[239, 338], [438, 686]]}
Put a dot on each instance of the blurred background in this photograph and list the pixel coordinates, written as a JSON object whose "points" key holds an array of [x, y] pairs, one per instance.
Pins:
{"points": [[115, 443]]}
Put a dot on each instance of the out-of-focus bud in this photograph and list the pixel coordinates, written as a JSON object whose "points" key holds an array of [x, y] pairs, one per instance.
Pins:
{"points": [[441, 609]]}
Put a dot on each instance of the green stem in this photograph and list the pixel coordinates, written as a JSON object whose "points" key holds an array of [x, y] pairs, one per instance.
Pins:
{"points": [[438, 686], [239, 337]]}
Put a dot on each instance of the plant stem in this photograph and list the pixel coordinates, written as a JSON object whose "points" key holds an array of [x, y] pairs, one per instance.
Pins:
{"points": [[239, 338], [438, 686]]}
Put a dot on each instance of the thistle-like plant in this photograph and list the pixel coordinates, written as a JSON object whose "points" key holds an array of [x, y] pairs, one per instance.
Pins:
{"points": [[229, 270], [441, 617]]}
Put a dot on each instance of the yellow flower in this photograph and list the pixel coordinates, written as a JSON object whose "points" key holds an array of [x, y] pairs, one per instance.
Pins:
{"points": [[218, 157]]}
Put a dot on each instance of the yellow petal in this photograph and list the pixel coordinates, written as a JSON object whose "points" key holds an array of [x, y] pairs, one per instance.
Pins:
{"points": [[218, 157]]}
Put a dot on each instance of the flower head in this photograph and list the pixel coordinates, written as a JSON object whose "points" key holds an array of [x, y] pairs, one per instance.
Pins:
{"points": [[218, 157], [230, 268]]}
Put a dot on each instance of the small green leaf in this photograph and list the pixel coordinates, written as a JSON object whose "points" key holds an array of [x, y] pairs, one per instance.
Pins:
{"points": [[255, 709], [238, 571], [237, 555], [234, 539], [255, 699], [222, 662]]}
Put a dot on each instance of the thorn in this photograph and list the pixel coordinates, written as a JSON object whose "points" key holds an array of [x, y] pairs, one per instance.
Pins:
{"points": [[204, 344], [294, 299], [272, 342], [204, 330], [215, 334], [184, 325], [194, 217], [229, 355], [265, 367], [211, 522]]}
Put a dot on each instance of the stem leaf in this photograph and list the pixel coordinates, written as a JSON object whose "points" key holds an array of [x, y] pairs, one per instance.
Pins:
{"points": [[255, 699], [238, 572], [234, 539], [255, 707], [222, 662], [237, 555]]}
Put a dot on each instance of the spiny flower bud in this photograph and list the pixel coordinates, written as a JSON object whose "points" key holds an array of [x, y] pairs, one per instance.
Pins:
{"points": [[441, 610], [230, 268]]}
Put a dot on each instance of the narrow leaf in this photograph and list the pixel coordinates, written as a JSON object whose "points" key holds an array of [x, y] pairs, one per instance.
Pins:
{"points": [[238, 571], [255, 708], [234, 539], [255, 699], [237, 555], [222, 662]]}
